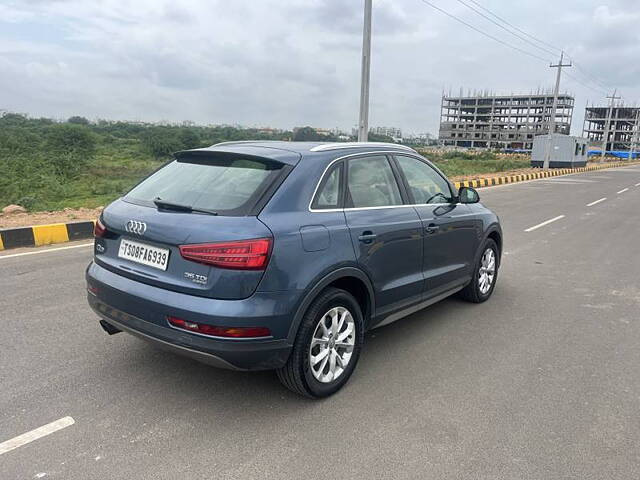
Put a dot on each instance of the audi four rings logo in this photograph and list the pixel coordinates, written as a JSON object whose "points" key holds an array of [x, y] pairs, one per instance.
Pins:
{"points": [[134, 226]]}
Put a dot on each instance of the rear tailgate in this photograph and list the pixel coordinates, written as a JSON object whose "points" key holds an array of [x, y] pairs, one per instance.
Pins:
{"points": [[143, 240]]}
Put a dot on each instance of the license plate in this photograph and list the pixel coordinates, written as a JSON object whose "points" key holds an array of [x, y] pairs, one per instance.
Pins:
{"points": [[145, 254]]}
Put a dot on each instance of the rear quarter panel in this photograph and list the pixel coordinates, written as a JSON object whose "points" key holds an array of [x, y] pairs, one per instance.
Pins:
{"points": [[307, 245]]}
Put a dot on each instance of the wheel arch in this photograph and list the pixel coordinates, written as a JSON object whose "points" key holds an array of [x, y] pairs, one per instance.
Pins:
{"points": [[351, 279], [496, 236], [494, 232]]}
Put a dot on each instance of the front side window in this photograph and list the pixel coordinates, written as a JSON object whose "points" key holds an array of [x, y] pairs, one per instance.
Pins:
{"points": [[425, 184], [372, 183]]}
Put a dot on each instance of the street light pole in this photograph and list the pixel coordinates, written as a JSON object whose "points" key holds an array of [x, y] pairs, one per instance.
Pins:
{"points": [[363, 123]]}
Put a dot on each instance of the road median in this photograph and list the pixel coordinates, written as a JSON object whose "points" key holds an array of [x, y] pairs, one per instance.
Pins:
{"points": [[40, 235], [489, 181]]}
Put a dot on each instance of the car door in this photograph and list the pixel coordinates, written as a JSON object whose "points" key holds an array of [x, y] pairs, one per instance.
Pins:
{"points": [[385, 232], [450, 235]]}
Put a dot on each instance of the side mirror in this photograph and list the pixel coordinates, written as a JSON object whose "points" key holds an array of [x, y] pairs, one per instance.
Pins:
{"points": [[468, 195]]}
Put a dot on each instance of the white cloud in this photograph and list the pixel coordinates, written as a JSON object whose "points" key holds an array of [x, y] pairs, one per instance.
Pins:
{"points": [[294, 62]]}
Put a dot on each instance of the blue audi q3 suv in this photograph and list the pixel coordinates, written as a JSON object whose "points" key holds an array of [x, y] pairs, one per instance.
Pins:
{"points": [[281, 255]]}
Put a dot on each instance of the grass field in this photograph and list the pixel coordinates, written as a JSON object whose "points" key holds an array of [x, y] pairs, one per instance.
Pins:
{"points": [[115, 169], [457, 163], [50, 166]]}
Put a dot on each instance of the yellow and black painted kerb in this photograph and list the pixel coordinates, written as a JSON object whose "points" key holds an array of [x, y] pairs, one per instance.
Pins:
{"points": [[67, 232], [488, 182], [45, 234]]}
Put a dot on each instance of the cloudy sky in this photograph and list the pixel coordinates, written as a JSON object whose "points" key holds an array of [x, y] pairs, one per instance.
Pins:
{"points": [[286, 63]]}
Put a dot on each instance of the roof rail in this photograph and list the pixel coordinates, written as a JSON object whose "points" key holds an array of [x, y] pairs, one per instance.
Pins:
{"points": [[337, 146], [233, 142]]}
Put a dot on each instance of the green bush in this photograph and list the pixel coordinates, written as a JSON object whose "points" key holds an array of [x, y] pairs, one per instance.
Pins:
{"points": [[161, 141], [69, 148]]}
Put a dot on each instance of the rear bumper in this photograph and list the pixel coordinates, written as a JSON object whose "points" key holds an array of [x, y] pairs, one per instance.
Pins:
{"points": [[141, 310]]}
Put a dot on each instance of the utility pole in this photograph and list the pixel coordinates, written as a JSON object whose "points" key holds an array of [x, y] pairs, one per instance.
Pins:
{"points": [[552, 119], [634, 136], [363, 124], [607, 125]]}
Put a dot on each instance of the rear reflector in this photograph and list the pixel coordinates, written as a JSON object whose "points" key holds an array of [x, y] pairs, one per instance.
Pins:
{"points": [[99, 230], [230, 332], [242, 255]]}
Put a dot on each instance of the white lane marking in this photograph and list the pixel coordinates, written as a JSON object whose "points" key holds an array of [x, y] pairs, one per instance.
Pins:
{"points": [[638, 184], [570, 180], [623, 190], [535, 227], [596, 202], [45, 251], [35, 434]]}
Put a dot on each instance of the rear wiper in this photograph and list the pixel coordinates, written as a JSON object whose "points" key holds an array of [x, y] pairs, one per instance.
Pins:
{"points": [[180, 208]]}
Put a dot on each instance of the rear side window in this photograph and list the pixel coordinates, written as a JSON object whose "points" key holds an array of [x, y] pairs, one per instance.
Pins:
{"points": [[330, 190], [229, 186], [372, 183]]}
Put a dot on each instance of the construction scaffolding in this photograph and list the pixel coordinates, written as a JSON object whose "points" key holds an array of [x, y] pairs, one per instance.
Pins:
{"points": [[623, 122], [486, 120]]}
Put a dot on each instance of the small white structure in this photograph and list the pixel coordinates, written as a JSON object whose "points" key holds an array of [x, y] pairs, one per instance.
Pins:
{"points": [[565, 151]]}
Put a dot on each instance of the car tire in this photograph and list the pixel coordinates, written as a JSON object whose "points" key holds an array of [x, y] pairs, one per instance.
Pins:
{"points": [[305, 373], [477, 290]]}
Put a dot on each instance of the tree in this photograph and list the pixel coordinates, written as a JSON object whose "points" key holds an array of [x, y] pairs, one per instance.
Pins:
{"points": [[374, 137], [13, 119], [307, 134], [78, 120]]}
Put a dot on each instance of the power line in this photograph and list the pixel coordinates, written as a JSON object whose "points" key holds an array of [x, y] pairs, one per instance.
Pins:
{"points": [[597, 85], [506, 29], [484, 33], [516, 28], [589, 77], [575, 79], [594, 80]]}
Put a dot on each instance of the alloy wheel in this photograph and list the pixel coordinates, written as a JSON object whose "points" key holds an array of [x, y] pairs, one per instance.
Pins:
{"points": [[332, 345], [487, 271]]}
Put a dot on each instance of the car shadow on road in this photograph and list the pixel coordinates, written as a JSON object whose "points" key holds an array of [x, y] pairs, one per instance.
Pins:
{"points": [[173, 381]]}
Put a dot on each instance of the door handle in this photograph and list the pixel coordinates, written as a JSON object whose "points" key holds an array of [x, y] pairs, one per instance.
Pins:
{"points": [[367, 237], [431, 228]]}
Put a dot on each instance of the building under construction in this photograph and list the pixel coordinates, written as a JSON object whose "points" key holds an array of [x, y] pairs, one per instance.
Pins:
{"points": [[621, 121], [501, 121]]}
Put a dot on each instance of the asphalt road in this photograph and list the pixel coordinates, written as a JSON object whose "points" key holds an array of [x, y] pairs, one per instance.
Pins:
{"points": [[541, 382]]}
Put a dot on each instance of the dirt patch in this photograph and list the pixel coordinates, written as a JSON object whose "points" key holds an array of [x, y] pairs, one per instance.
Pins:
{"points": [[67, 215]]}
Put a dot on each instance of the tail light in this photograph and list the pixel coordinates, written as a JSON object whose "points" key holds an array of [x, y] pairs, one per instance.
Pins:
{"points": [[230, 332], [242, 255], [99, 230]]}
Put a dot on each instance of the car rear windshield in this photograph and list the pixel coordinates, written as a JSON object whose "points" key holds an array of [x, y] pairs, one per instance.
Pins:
{"points": [[228, 186]]}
